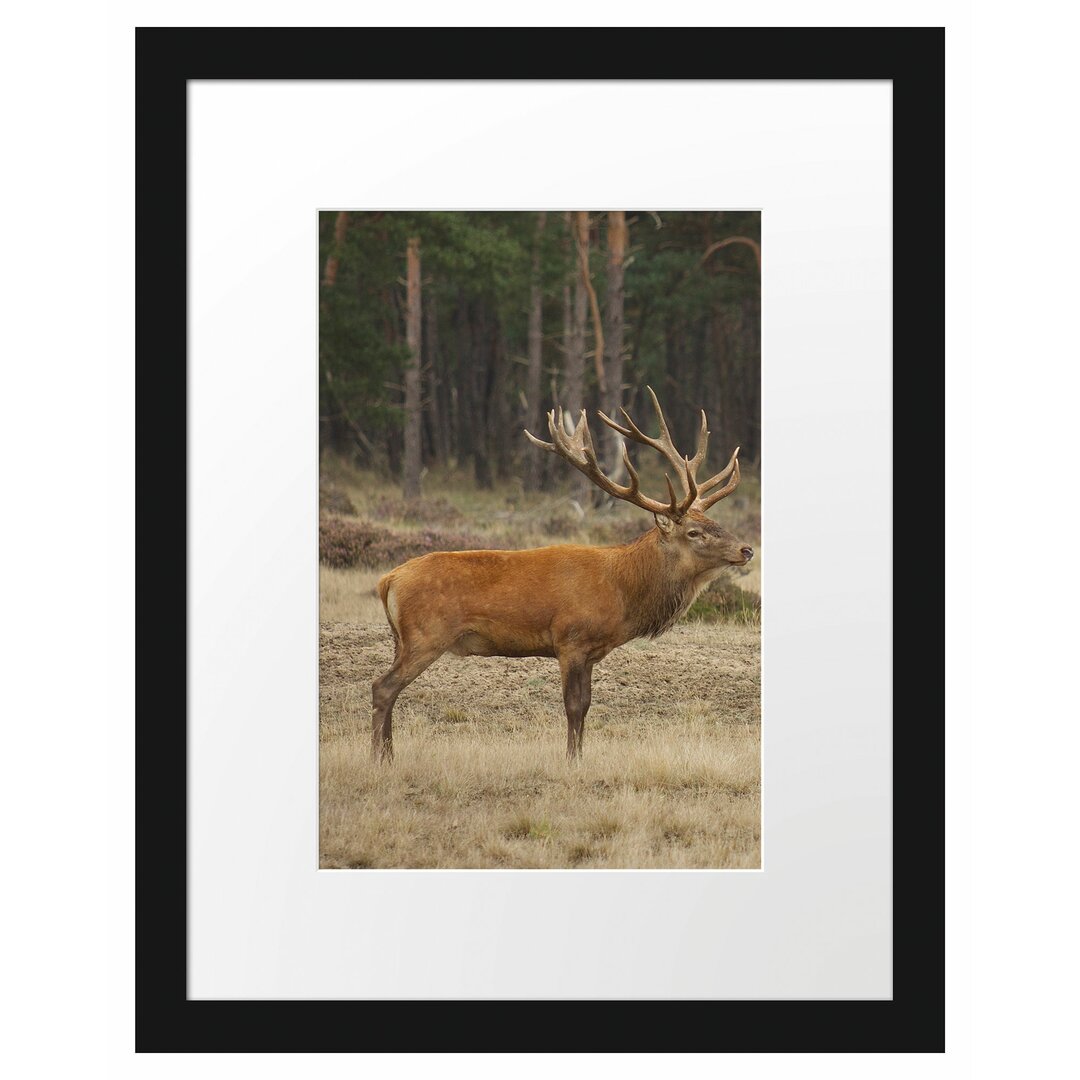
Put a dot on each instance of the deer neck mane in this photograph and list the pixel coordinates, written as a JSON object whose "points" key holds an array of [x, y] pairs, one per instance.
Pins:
{"points": [[658, 589]]}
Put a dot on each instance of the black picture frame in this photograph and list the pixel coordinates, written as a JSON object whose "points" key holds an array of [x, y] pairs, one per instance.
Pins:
{"points": [[914, 1019]]}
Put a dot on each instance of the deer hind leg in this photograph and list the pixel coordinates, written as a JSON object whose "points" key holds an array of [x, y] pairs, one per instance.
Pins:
{"points": [[408, 664], [577, 695]]}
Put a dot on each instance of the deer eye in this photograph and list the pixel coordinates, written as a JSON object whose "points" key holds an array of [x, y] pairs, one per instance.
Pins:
{"points": [[693, 533]]}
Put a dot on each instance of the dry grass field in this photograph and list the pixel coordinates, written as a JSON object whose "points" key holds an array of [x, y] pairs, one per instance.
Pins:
{"points": [[670, 776]]}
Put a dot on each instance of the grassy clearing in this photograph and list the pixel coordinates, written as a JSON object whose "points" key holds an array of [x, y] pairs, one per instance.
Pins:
{"points": [[349, 596], [670, 776], [671, 770]]}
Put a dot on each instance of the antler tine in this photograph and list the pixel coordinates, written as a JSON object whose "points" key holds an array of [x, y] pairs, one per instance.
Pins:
{"points": [[589, 450], [575, 444], [577, 448], [702, 444], [732, 468], [586, 440], [691, 481], [721, 476], [679, 507], [611, 424], [563, 438], [672, 509], [663, 444], [562, 443], [632, 431], [635, 481], [665, 435], [673, 506], [540, 442]]}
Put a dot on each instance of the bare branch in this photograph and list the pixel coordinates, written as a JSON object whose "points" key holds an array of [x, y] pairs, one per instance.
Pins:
{"points": [[752, 244]]}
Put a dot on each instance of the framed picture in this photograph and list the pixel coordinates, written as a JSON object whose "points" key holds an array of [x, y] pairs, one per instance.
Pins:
{"points": [[259, 933]]}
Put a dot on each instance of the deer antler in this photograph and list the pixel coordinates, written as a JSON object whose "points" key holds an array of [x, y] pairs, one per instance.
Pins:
{"points": [[686, 468], [576, 446]]}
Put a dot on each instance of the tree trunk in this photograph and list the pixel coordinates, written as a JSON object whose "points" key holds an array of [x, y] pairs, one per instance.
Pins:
{"points": [[715, 405], [618, 236], [559, 392], [480, 362], [440, 385], [581, 241], [574, 370], [533, 411], [751, 378], [330, 273], [465, 436], [574, 315], [499, 408], [411, 469]]}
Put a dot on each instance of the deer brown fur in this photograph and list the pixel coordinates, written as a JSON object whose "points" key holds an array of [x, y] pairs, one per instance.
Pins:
{"points": [[571, 602]]}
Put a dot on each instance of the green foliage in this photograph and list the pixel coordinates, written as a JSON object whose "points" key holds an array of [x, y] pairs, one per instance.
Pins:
{"points": [[724, 601], [668, 284], [691, 314], [360, 345], [489, 253]]}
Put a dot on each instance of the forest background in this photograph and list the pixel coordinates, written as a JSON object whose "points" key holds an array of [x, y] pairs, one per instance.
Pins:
{"points": [[444, 334]]}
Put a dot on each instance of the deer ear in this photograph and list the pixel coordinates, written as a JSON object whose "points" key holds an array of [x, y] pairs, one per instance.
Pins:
{"points": [[664, 523]]}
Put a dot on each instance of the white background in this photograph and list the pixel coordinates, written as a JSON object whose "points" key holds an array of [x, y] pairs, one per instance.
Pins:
{"points": [[67, 997], [263, 921]]}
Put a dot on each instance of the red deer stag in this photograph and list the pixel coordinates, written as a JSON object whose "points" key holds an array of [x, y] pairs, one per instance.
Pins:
{"points": [[571, 602]]}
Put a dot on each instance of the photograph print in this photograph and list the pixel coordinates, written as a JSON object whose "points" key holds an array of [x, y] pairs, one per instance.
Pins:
{"points": [[540, 539]]}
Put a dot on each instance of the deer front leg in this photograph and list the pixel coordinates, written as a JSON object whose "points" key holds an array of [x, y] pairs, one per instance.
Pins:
{"points": [[577, 695]]}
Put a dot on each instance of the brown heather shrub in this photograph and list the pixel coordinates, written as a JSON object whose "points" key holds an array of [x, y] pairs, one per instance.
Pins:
{"points": [[343, 543], [359, 543], [427, 511], [621, 531], [562, 522]]}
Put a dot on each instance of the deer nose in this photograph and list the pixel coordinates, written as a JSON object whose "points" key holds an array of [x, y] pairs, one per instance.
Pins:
{"points": [[747, 553]]}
